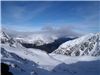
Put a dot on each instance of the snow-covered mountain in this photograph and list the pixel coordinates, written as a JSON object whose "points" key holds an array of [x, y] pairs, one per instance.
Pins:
{"points": [[30, 61], [37, 39], [4, 37], [85, 45]]}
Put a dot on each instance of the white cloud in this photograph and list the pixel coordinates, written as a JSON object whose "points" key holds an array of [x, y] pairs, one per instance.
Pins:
{"points": [[61, 31]]}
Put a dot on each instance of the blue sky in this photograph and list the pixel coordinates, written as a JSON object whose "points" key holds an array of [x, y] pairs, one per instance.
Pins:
{"points": [[82, 17]]}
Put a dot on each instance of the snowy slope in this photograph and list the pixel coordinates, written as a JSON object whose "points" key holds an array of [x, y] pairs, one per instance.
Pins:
{"points": [[24, 61], [85, 45], [27, 61], [23, 57]]}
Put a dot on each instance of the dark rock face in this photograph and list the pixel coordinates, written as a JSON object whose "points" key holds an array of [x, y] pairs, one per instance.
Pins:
{"points": [[48, 47], [5, 69]]}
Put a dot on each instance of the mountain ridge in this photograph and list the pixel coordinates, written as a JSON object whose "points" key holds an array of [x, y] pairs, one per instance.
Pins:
{"points": [[81, 46]]}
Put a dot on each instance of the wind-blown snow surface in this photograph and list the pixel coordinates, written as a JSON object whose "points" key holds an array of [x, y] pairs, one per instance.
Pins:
{"points": [[27, 61], [85, 45]]}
